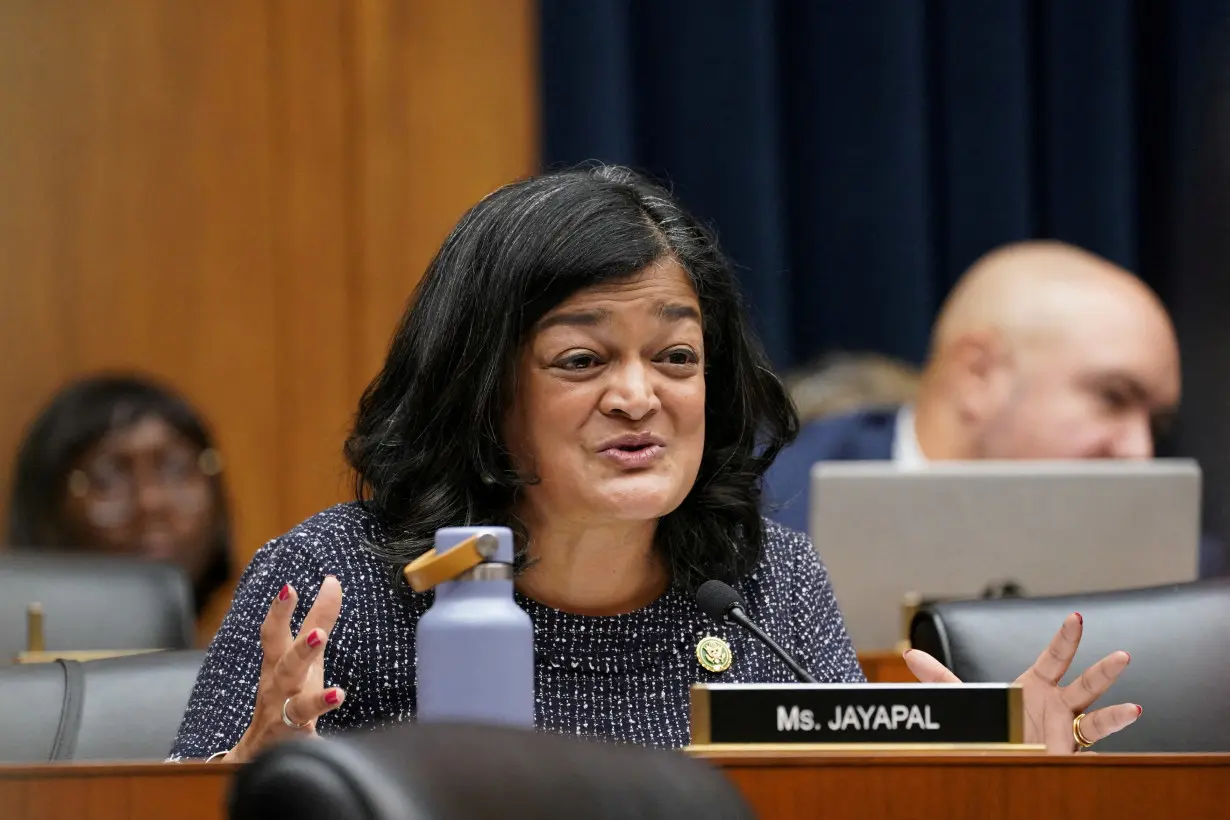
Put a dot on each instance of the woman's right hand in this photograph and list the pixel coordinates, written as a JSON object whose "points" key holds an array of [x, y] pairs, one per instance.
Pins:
{"points": [[292, 671]]}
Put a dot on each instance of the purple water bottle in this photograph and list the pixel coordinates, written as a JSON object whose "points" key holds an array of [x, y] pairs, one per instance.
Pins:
{"points": [[475, 646]]}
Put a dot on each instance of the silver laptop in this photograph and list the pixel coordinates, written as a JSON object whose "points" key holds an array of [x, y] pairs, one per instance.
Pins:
{"points": [[950, 530]]}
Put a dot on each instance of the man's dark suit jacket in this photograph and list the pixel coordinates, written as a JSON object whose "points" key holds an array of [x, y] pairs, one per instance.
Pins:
{"points": [[863, 436], [868, 436]]}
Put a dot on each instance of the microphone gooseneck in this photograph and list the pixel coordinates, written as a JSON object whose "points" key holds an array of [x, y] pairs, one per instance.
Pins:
{"points": [[722, 603]]}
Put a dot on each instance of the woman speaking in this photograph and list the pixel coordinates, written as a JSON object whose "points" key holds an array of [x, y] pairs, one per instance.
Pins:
{"points": [[575, 365]]}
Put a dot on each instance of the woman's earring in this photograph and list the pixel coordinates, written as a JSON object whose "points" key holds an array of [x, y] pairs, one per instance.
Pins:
{"points": [[78, 483], [209, 462]]}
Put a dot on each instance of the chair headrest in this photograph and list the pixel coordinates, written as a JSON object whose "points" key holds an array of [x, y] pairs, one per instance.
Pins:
{"points": [[94, 602], [1178, 636]]}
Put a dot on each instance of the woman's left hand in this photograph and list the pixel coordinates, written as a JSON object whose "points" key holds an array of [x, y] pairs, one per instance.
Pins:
{"points": [[1049, 707]]}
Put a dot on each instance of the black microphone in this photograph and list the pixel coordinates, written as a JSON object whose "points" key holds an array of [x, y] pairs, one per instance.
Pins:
{"points": [[722, 603]]}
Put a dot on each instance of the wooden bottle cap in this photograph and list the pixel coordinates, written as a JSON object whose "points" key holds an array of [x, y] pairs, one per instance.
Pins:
{"points": [[433, 568]]}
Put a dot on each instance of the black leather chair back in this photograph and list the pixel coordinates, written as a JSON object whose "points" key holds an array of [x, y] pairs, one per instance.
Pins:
{"points": [[94, 602], [123, 708], [1178, 636], [441, 772], [132, 706]]}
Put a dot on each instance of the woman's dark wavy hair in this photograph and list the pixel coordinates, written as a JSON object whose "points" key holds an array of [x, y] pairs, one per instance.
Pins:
{"points": [[76, 419], [427, 447]]}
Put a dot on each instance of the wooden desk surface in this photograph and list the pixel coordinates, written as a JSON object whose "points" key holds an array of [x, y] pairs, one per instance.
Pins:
{"points": [[787, 786], [131, 791], [885, 667], [992, 787]]}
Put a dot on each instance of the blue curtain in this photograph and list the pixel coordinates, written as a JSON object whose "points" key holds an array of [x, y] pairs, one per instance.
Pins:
{"points": [[1201, 272], [856, 155]]}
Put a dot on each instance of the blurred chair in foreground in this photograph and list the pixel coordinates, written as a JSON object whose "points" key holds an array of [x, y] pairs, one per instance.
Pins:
{"points": [[1178, 636], [442, 772], [93, 604], [123, 466], [126, 708]]}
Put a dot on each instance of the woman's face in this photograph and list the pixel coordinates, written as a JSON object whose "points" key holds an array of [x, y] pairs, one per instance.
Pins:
{"points": [[141, 490], [609, 401]]}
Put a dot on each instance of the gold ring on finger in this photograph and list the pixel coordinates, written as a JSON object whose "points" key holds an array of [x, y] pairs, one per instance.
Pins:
{"points": [[286, 718], [1077, 735]]}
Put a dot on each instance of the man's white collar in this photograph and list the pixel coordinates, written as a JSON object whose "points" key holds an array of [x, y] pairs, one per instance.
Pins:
{"points": [[906, 451]]}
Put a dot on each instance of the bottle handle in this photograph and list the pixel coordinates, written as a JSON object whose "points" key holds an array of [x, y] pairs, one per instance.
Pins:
{"points": [[432, 568]]}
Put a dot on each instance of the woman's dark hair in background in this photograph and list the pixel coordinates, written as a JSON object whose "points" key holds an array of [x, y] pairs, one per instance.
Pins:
{"points": [[845, 381], [427, 446], [77, 419]]}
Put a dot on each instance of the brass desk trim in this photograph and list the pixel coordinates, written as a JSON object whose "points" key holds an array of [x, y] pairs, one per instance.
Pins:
{"points": [[810, 750], [81, 655]]}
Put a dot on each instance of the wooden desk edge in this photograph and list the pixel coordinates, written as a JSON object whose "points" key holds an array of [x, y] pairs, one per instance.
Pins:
{"points": [[722, 756], [729, 756], [102, 768]]}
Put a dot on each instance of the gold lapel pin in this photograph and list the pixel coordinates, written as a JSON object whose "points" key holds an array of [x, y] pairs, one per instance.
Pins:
{"points": [[714, 654]]}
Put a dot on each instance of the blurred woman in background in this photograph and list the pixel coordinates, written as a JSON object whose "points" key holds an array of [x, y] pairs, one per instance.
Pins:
{"points": [[122, 465]]}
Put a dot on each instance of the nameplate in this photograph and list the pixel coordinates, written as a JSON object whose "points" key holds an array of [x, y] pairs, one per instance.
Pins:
{"points": [[855, 714]]}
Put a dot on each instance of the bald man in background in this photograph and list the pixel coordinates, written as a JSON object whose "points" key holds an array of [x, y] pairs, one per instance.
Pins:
{"points": [[1042, 351]]}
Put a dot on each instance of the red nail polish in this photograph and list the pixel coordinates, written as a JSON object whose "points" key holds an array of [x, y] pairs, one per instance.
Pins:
{"points": [[332, 697], [1140, 710], [314, 639], [1080, 618], [284, 592]]}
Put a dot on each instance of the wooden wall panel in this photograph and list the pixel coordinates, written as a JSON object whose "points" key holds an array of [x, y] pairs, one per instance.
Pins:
{"points": [[443, 118], [239, 196], [133, 210], [314, 267]]}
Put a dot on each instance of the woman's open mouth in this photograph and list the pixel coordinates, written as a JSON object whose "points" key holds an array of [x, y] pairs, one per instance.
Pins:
{"points": [[632, 451]]}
